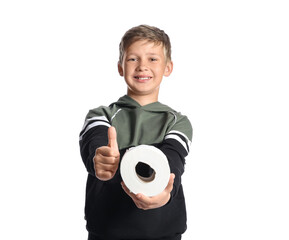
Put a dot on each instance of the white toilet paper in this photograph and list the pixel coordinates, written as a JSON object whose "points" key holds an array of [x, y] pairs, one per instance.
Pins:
{"points": [[151, 156]]}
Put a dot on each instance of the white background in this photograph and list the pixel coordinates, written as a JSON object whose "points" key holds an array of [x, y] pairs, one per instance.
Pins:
{"points": [[58, 59]]}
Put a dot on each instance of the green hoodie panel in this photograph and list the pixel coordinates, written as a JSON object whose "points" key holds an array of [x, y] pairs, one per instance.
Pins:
{"points": [[136, 124]]}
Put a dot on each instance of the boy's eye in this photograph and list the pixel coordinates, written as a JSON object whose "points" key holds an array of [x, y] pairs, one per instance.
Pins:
{"points": [[132, 59], [153, 59]]}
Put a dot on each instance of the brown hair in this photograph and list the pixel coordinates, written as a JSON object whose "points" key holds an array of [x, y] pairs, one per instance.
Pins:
{"points": [[145, 32]]}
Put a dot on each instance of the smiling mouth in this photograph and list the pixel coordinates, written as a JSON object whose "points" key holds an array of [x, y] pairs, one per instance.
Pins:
{"points": [[142, 78]]}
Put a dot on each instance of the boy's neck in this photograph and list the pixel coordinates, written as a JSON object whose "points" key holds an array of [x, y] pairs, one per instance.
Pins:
{"points": [[143, 99]]}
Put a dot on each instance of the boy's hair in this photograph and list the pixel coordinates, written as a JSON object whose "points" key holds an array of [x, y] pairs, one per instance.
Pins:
{"points": [[145, 32]]}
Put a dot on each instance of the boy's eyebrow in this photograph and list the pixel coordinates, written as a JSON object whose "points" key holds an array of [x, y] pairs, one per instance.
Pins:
{"points": [[152, 54], [146, 54]]}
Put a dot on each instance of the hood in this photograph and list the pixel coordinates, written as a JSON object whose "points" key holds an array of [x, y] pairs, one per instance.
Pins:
{"points": [[128, 102]]}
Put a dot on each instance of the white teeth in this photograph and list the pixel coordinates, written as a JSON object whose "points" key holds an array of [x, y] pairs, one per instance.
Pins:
{"points": [[145, 78]]}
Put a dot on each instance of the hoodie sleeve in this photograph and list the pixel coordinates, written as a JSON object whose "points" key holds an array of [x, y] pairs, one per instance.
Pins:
{"points": [[93, 135], [176, 146]]}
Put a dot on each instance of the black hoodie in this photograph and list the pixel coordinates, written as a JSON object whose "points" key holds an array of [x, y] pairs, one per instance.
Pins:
{"points": [[109, 211]]}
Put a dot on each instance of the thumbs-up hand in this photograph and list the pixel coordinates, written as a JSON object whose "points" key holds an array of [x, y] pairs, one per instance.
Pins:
{"points": [[106, 158]]}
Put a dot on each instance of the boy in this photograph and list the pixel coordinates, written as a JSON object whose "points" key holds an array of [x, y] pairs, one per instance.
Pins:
{"points": [[111, 210]]}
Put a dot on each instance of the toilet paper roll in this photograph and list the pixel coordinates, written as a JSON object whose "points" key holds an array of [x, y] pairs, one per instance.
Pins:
{"points": [[151, 156]]}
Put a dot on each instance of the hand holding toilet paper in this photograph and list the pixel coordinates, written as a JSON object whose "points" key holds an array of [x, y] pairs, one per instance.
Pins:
{"points": [[156, 159]]}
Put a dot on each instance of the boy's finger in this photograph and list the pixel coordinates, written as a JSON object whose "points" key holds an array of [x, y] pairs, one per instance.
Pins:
{"points": [[109, 162], [128, 192], [107, 151], [170, 185], [112, 138]]}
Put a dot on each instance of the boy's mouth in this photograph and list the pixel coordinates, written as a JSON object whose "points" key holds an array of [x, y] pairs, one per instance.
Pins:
{"points": [[142, 78]]}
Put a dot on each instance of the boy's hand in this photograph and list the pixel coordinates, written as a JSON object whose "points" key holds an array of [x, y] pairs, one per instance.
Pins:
{"points": [[145, 202], [106, 158]]}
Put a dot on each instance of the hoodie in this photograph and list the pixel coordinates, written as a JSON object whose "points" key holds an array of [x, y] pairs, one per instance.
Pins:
{"points": [[109, 211]]}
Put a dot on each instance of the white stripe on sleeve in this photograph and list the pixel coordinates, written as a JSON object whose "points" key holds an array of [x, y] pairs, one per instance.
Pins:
{"points": [[182, 134], [176, 137], [101, 118], [94, 124]]}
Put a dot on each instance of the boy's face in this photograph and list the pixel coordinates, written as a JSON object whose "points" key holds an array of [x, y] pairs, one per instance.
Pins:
{"points": [[143, 67]]}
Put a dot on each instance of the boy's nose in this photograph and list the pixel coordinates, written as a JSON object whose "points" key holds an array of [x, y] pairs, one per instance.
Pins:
{"points": [[141, 67]]}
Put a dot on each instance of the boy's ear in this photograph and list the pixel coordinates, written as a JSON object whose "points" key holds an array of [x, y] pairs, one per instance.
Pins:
{"points": [[169, 69], [120, 69]]}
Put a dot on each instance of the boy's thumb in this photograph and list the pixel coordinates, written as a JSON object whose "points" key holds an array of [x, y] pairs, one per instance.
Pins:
{"points": [[112, 138]]}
